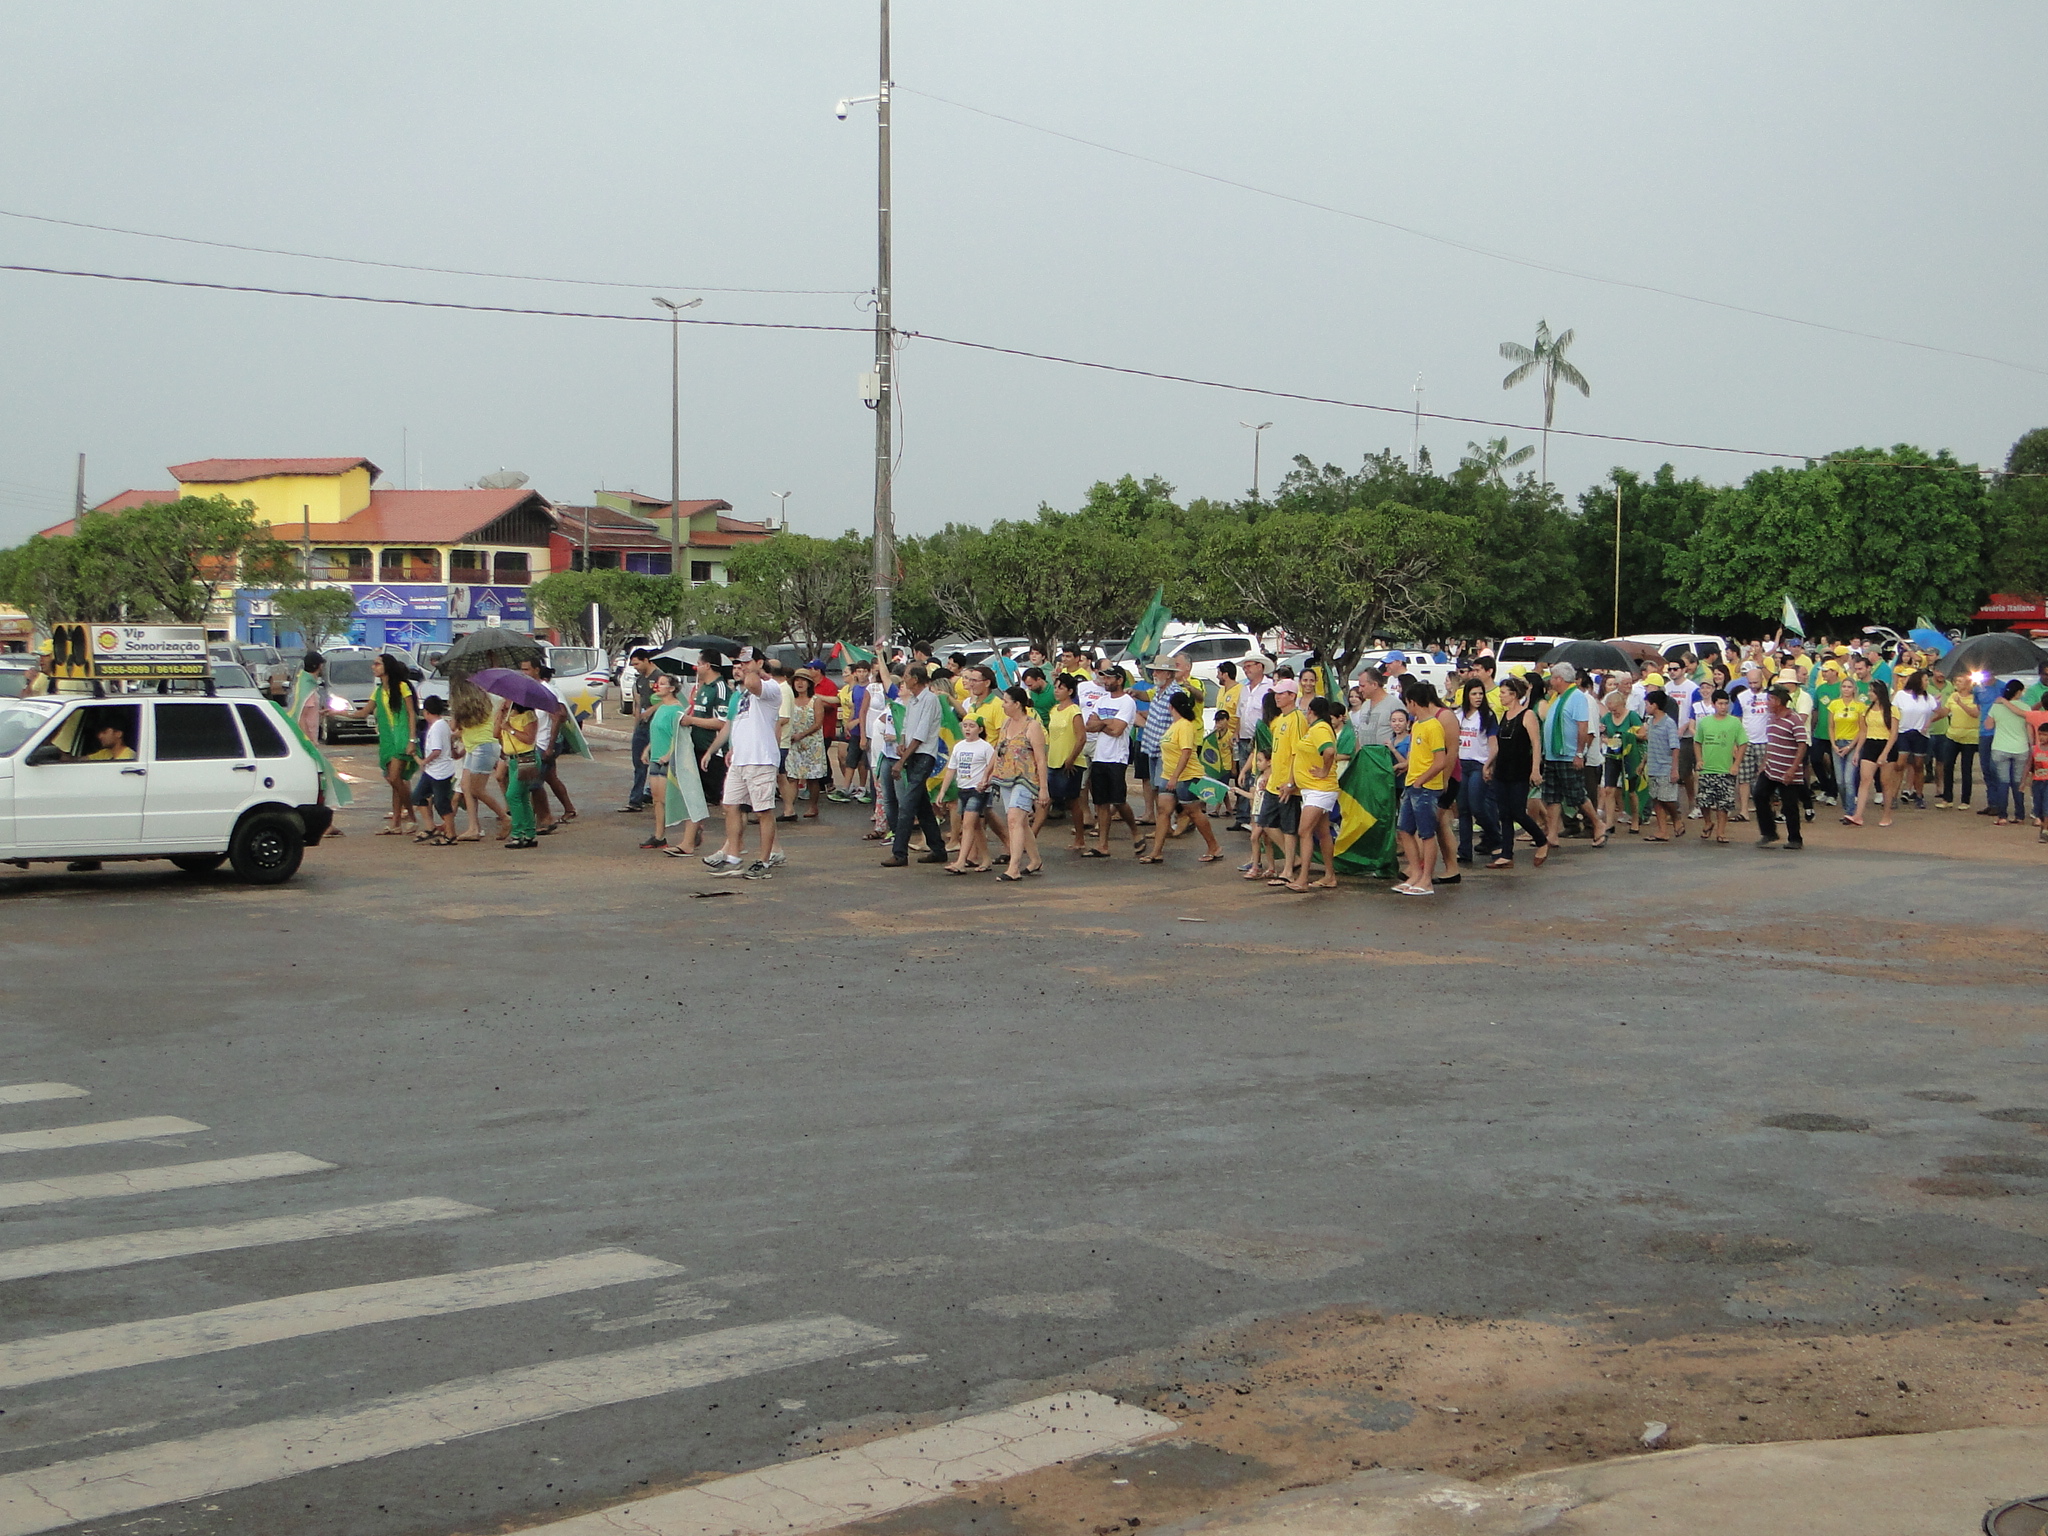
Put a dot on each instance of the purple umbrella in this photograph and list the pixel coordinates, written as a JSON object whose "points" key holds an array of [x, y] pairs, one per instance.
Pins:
{"points": [[526, 692]]}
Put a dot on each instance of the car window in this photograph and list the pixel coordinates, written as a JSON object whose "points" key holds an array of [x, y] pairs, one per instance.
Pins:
{"points": [[1232, 649], [1525, 650], [189, 732], [99, 733], [264, 736], [18, 722], [353, 670], [1198, 650], [227, 675], [572, 658]]}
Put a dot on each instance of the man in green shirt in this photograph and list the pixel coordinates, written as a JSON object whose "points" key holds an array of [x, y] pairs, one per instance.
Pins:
{"points": [[1720, 739], [1040, 690], [1825, 682]]}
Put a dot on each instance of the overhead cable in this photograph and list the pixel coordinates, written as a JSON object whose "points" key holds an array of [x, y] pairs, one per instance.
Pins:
{"points": [[1464, 245]]}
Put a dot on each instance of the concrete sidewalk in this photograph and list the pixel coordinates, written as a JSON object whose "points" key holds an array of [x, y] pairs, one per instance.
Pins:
{"points": [[1891, 1485]]}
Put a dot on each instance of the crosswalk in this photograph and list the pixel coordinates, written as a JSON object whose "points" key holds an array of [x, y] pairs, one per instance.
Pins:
{"points": [[140, 1477]]}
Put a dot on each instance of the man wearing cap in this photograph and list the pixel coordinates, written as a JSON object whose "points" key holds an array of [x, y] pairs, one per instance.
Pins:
{"points": [[1111, 719], [1783, 774], [917, 752], [1566, 730], [1158, 719], [642, 662], [1280, 817], [1251, 710]]}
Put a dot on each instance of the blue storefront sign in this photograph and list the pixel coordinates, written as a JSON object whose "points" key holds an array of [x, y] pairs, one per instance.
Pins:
{"points": [[506, 606], [399, 613]]}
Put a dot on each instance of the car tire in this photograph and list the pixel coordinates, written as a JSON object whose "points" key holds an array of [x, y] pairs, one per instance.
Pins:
{"points": [[199, 863], [268, 847]]}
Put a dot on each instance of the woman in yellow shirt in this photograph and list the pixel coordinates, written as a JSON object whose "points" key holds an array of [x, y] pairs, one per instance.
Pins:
{"points": [[1181, 758], [1064, 776], [1876, 753], [1315, 775]]}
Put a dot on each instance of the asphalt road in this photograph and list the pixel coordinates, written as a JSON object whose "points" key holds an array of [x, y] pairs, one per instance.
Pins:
{"points": [[1011, 1133]]}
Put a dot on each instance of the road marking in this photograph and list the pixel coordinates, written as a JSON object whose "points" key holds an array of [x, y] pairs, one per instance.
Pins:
{"points": [[150, 1181], [120, 1345], [28, 1093], [173, 1242], [92, 1135], [128, 1481], [819, 1492]]}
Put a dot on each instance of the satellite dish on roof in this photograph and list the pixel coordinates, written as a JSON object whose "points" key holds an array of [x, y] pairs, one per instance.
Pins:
{"points": [[502, 480]]}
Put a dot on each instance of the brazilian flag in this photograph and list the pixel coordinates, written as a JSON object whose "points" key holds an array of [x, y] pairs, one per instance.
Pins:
{"points": [[1366, 802], [1151, 627], [942, 749]]}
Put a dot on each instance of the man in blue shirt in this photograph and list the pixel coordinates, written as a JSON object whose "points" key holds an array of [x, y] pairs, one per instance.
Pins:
{"points": [[1566, 730]]}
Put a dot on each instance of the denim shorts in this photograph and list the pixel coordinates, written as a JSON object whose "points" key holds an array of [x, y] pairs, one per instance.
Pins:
{"points": [[1019, 796], [1418, 811], [1184, 794], [482, 757], [1063, 785], [974, 802]]}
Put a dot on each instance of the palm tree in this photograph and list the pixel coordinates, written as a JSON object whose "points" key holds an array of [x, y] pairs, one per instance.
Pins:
{"points": [[1548, 355], [1488, 459]]}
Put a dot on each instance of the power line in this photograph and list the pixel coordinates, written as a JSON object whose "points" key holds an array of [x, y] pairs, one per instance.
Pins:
{"points": [[1403, 411], [404, 266], [1466, 246]]}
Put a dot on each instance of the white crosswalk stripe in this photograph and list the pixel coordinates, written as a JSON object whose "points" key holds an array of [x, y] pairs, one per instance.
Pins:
{"points": [[816, 1493], [125, 1482], [28, 1093], [144, 1476], [178, 1242], [292, 1317], [60, 1136], [153, 1181]]}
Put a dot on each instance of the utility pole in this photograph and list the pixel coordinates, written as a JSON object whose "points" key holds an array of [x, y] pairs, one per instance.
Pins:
{"points": [[885, 384], [78, 501], [675, 430], [1617, 554], [1415, 454], [1258, 430]]}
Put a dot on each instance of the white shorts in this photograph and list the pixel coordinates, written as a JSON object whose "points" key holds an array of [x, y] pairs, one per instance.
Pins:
{"points": [[1324, 800], [751, 785]]}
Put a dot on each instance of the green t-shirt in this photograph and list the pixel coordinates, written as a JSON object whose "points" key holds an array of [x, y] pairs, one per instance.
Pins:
{"points": [[1042, 701], [2032, 697], [1823, 696], [1719, 738], [2008, 730]]}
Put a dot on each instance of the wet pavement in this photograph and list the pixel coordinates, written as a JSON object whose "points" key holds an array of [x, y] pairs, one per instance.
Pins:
{"points": [[1480, 1183]]}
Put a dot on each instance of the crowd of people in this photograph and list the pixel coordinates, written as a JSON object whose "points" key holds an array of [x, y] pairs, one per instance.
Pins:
{"points": [[964, 766]]}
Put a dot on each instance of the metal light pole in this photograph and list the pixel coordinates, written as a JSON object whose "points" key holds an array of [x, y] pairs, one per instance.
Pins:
{"points": [[1258, 433], [675, 436], [783, 497], [885, 341], [1415, 457], [1617, 554]]}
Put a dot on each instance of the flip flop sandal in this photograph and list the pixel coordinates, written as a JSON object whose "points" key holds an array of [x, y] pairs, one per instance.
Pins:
{"points": [[1093, 853], [1209, 858]]}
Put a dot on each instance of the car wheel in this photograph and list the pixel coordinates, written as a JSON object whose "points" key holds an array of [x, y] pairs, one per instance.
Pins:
{"points": [[268, 847], [199, 863]]}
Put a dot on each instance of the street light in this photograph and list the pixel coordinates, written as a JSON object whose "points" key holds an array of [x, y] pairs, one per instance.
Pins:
{"points": [[783, 497], [885, 339], [1258, 430], [675, 433]]}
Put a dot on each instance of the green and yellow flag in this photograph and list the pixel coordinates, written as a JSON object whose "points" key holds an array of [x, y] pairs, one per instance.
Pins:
{"points": [[1366, 798], [1151, 628]]}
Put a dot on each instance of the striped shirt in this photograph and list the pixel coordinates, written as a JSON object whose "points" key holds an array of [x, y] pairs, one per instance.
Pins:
{"points": [[1786, 735]]}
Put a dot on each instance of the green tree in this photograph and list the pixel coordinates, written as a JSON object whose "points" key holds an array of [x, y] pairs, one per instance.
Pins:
{"points": [[1489, 458], [1546, 360], [2016, 520], [316, 614], [1860, 537], [813, 591], [1657, 517], [42, 577], [1332, 578], [176, 557]]}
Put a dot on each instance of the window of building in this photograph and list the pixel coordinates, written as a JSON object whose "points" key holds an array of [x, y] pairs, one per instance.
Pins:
{"points": [[594, 560], [650, 563], [509, 569], [469, 565], [343, 565], [409, 565], [700, 570]]}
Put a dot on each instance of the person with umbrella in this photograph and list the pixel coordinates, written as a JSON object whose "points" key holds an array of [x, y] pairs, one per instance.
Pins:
{"points": [[523, 703]]}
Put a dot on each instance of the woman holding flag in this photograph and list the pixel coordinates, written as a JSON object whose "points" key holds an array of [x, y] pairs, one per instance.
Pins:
{"points": [[1180, 766]]}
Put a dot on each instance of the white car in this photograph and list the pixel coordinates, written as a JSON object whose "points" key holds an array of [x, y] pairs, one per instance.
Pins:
{"points": [[1518, 654], [581, 678], [198, 781], [1418, 664], [1671, 646]]}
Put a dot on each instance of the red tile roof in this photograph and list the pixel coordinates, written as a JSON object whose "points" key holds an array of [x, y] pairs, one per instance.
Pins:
{"points": [[234, 471], [658, 505], [726, 540], [429, 517], [608, 528], [120, 503], [742, 525]]}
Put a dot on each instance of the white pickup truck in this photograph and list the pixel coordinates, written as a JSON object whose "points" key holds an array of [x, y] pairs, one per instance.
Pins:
{"points": [[198, 781]]}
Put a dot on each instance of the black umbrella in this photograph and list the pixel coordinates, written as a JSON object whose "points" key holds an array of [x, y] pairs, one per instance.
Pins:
{"points": [[708, 643], [672, 665], [1589, 656], [502, 647], [1994, 654]]}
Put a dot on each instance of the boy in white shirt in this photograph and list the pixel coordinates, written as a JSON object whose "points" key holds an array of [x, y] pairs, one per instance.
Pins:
{"points": [[436, 786]]}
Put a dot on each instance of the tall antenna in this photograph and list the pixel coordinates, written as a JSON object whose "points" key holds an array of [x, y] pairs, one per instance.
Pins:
{"points": [[1415, 454]]}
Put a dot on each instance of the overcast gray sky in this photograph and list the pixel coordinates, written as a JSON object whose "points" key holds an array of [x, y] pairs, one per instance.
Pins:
{"points": [[1871, 166]]}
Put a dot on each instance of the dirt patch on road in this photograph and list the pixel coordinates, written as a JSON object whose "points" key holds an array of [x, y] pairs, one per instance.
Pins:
{"points": [[1305, 1400]]}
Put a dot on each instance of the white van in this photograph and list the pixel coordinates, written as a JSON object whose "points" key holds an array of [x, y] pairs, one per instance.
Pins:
{"points": [[1518, 654], [201, 782]]}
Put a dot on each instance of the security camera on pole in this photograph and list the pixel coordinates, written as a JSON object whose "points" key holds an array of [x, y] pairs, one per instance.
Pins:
{"points": [[877, 388]]}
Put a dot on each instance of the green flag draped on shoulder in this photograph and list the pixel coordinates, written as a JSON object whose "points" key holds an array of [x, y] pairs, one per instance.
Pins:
{"points": [[1366, 799], [336, 785]]}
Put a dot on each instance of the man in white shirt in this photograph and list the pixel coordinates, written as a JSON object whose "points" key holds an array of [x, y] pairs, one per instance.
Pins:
{"points": [[436, 786], [751, 736], [1111, 723]]}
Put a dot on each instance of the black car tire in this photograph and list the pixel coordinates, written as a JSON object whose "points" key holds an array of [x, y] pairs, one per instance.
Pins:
{"points": [[268, 847], [199, 863]]}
